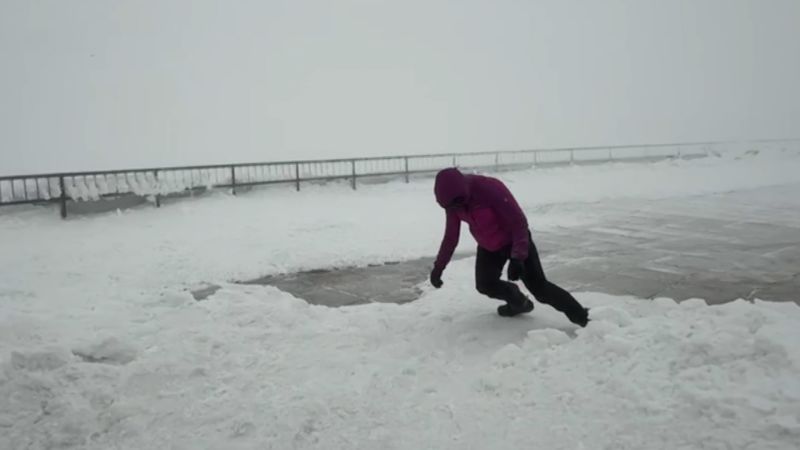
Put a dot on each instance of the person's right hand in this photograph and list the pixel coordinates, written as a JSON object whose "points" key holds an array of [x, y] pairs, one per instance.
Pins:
{"points": [[436, 278]]}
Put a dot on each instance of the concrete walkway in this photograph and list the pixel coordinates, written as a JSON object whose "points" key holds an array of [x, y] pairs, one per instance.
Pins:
{"points": [[717, 247]]}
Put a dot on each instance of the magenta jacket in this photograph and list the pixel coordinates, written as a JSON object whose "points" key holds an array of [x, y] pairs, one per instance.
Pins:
{"points": [[494, 217]]}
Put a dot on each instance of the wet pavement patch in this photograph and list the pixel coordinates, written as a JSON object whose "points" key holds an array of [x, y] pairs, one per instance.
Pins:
{"points": [[390, 282]]}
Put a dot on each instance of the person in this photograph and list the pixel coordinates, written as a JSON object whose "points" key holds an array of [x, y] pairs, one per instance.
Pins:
{"points": [[500, 228]]}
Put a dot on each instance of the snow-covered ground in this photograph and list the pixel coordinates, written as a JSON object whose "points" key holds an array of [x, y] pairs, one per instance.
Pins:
{"points": [[101, 346]]}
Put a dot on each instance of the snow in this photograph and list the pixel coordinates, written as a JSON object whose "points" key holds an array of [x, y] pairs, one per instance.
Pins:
{"points": [[101, 346], [256, 368], [85, 188]]}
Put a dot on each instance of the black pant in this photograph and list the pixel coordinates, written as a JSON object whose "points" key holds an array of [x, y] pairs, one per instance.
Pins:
{"points": [[489, 268]]}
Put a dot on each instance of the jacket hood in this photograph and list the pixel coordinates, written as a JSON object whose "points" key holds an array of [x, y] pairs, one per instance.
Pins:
{"points": [[450, 184]]}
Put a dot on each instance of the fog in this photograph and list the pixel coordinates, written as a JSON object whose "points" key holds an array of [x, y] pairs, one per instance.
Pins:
{"points": [[97, 84]]}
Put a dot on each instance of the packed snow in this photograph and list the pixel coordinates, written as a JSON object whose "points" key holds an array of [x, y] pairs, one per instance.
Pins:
{"points": [[102, 346]]}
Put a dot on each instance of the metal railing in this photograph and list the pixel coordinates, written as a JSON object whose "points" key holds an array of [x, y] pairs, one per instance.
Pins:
{"points": [[155, 183]]}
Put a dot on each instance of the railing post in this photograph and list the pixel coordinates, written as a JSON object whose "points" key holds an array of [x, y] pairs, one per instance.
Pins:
{"points": [[497, 162], [610, 154], [454, 160], [158, 190], [407, 175], [572, 156], [535, 158], [679, 152], [233, 180], [63, 197], [353, 164], [297, 176]]}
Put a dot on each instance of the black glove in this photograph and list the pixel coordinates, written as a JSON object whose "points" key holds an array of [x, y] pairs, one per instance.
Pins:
{"points": [[436, 277], [515, 269]]}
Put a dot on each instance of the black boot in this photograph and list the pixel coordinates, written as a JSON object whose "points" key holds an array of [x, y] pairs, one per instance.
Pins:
{"points": [[581, 319], [512, 309]]}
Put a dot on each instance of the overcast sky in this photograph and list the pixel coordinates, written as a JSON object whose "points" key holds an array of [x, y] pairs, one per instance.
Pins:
{"points": [[96, 84]]}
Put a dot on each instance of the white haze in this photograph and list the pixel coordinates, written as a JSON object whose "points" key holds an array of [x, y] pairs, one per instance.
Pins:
{"points": [[95, 84]]}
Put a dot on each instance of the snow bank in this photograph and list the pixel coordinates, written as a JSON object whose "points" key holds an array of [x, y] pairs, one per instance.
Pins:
{"points": [[256, 368]]}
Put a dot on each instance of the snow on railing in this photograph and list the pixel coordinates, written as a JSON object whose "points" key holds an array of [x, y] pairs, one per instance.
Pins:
{"points": [[158, 182]]}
